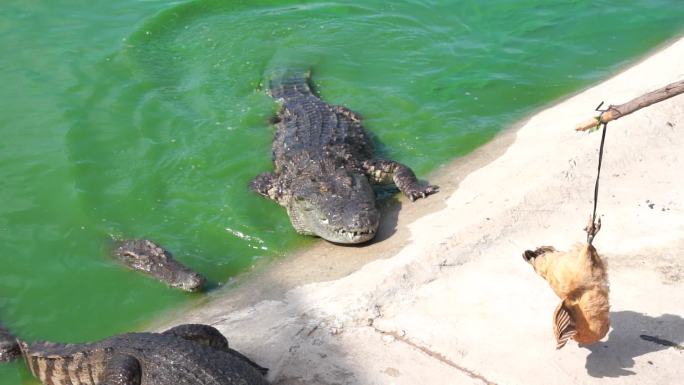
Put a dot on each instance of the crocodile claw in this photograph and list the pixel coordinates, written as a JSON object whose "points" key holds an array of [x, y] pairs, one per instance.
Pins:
{"points": [[421, 192]]}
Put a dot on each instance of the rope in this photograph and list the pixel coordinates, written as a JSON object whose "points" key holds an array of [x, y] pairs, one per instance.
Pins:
{"points": [[594, 226]]}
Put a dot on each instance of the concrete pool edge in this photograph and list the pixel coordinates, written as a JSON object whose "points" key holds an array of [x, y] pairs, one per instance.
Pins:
{"points": [[444, 292]]}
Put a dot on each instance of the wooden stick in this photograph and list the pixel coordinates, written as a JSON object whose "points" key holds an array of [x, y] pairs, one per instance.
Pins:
{"points": [[616, 112]]}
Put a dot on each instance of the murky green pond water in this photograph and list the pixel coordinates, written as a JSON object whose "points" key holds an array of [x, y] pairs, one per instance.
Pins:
{"points": [[148, 119]]}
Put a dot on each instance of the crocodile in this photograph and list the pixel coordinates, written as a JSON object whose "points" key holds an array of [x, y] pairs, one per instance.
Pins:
{"points": [[148, 257], [324, 166], [191, 354], [9, 348]]}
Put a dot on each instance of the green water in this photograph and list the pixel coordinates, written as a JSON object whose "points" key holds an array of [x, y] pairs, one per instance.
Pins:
{"points": [[148, 119]]}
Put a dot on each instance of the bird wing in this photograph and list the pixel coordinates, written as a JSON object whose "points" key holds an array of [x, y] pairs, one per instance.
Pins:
{"points": [[563, 325]]}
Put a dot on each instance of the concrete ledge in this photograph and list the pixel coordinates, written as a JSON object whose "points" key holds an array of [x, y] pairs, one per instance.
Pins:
{"points": [[445, 297]]}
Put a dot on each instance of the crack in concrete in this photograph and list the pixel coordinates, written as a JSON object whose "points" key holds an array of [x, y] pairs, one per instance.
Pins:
{"points": [[437, 356]]}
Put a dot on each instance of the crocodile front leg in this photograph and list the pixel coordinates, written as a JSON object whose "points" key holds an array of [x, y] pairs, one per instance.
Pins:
{"points": [[122, 370], [383, 171], [209, 336], [268, 186], [202, 334]]}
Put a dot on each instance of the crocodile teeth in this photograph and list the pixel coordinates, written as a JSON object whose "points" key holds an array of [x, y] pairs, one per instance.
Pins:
{"points": [[353, 234]]}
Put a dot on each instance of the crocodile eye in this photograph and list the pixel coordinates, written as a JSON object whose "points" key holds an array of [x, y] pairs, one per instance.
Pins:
{"points": [[139, 260]]}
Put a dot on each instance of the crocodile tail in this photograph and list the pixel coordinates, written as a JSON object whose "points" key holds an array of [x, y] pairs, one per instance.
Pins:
{"points": [[288, 85]]}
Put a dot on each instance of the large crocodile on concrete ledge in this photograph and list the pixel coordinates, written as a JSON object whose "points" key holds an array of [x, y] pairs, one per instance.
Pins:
{"points": [[324, 164], [184, 355]]}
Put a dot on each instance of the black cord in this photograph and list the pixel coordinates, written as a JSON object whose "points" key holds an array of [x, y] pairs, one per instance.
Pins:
{"points": [[591, 231]]}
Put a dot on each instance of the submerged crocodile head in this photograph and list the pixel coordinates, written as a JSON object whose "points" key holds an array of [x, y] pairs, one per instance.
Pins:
{"points": [[146, 256], [9, 347], [338, 206]]}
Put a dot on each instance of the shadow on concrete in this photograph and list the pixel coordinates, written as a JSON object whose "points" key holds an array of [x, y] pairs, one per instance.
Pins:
{"points": [[389, 209], [633, 335]]}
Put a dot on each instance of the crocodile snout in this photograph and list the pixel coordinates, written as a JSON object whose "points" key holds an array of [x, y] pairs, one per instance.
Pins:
{"points": [[148, 257]]}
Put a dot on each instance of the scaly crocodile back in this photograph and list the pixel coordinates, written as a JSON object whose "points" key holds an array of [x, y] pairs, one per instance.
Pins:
{"points": [[57, 364], [164, 359], [311, 131], [290, 86]]}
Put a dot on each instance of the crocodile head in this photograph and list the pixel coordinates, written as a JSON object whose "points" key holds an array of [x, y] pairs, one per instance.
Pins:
{"points": [[338, 206], [9, 346], [151, 259]]}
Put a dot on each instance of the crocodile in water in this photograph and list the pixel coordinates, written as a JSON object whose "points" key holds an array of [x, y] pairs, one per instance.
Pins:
{"points": [[324, 167], [148, 257]]}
